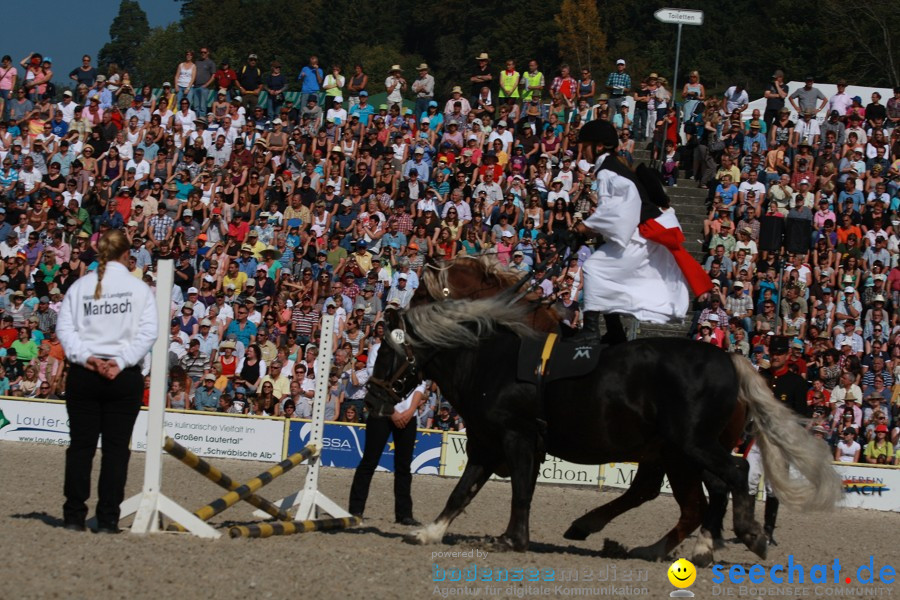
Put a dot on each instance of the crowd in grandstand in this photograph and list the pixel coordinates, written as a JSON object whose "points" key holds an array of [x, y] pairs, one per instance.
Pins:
{"points": [[278, 207]]}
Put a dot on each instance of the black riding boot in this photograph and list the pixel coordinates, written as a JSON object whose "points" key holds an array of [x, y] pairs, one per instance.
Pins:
{"points": [[771, 514], [590, 329], [615, 332]]}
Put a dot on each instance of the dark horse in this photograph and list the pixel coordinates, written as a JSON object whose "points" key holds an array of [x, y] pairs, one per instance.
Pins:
{"points": [[471, 278], [665, 401]]}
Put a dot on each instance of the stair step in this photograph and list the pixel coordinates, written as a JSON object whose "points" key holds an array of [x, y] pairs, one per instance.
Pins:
{"points": [[649, 330]]}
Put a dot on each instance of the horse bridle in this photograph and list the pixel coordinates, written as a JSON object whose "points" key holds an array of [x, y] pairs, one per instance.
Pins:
{"points": [[394, 386]]}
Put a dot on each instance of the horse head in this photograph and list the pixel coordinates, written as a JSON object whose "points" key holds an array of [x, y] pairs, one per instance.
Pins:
{"points": [[396, 372]]}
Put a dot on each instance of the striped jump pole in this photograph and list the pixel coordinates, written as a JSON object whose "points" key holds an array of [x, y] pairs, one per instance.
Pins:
{"points": [[246, 490], [264, 530], [199, 465]]}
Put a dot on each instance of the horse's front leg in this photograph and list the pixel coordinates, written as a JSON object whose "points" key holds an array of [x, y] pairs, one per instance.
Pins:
{"points": [[520, 450], [473, 478]]}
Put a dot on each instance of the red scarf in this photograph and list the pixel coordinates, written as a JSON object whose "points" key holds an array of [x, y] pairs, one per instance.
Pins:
{"points": [[673, 238]]}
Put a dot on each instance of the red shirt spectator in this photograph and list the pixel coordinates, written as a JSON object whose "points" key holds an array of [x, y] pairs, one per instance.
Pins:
{"points": [[8, 334], [225, 77], [239, 230]]}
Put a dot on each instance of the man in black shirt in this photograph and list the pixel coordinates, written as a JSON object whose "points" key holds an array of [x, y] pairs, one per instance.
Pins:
{"points": [[876, 112], [184, 273], [250, 83], [481, 77], [363, 180], [775, 95]]}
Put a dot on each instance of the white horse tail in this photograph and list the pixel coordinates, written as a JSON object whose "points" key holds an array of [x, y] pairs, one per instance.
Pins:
{"points": [[784, 445]]}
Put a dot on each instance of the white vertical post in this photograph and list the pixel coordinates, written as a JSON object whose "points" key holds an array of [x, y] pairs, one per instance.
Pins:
{"points": [[309, 499], [151, 503], [159, 371]]}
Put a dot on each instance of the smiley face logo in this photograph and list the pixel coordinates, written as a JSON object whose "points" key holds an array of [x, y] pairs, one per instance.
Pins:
{"points": [[682, 573]]}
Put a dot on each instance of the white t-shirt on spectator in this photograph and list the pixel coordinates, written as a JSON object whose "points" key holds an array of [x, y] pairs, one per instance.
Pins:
{"points": [[506, 137], [126, 150], [841, 103], [757, 187], [734, 100], [186, 120], [338, 115], [141, 169], [68, 112]]}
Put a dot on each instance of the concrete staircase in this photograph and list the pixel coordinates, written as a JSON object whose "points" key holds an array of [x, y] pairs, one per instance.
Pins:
{"points": [[689, 203]]}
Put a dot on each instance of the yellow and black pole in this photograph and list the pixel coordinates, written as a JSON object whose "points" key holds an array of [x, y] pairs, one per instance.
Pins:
{"points": [[264, 530], [248, 489], [199, 465]]}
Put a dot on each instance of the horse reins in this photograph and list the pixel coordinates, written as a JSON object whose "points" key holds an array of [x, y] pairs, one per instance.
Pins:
{"points": [[393, 387]]}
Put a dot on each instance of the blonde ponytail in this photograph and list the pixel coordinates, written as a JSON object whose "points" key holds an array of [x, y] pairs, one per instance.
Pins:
{"points": [[101, 270], [111, 246]]}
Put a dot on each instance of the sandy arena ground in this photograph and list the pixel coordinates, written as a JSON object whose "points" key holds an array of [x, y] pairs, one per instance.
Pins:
{"points": [[41, 560]]}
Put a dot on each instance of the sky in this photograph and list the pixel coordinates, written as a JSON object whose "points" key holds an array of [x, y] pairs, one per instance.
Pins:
{"points": [[72, 29]]}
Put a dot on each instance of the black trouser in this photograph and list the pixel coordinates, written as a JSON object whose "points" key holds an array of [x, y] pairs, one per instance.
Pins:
{"points": [[769, 118], [99, 407], [378, 429]]}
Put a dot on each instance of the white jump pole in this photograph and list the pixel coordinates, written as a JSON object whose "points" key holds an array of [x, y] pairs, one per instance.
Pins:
{"points": [[309, 499], [148, 505]]}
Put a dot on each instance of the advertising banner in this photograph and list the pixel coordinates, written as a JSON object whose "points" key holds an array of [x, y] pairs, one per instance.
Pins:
{"points": [[343, 444], [552, 470], [38, 422], [215, 435], [870, 487], [259, 438], [620, 475]]}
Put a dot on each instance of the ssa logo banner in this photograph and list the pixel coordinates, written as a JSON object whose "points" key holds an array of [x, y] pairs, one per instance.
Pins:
{"points": [[824, 577]]}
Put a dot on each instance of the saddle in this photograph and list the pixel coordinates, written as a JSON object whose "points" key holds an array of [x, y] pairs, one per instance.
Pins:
{"points": [[547, 358]]}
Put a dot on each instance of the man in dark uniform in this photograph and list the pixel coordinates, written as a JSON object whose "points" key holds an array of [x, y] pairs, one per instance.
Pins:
{"points": [[791, 389]]}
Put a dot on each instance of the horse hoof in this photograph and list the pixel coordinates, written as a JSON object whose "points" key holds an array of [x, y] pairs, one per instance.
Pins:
{"points": [[576, 533], [757, 544], [416, 538], [703, 559], [433, 533], [504, 543]]}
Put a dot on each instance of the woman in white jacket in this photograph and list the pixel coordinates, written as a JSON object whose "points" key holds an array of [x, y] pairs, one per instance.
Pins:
{"points": [[107, 325]]}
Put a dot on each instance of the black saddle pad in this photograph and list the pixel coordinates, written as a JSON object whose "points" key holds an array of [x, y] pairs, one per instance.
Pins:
{"points": [[567, 359]]}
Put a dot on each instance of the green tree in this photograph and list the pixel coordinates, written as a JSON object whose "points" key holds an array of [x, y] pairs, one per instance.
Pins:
{"points": [[868, 43], [128, 32], [581, 39], [162, 50]]}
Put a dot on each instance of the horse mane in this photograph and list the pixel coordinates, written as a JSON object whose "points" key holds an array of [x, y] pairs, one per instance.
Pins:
{"points": [[455, 323], [436, 278]]}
